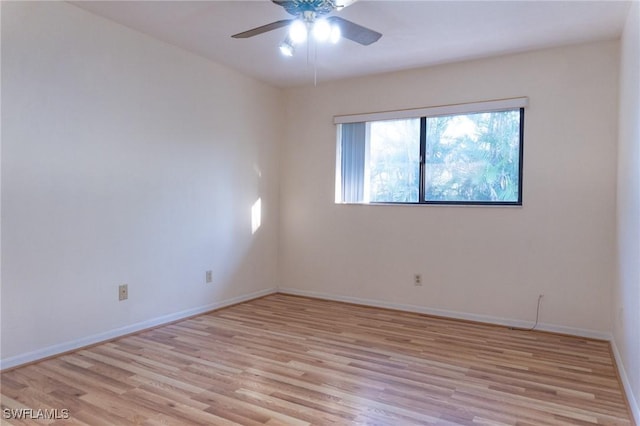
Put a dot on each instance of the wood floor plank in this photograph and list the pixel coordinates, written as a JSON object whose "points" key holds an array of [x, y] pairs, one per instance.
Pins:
{"points": [[286, 360]]}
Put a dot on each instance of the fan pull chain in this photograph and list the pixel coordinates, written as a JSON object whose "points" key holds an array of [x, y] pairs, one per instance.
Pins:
{"points": [[315, 65], [312, 45]]}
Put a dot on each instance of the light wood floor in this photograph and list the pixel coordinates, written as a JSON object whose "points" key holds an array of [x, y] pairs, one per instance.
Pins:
{"points": [[295, 361]]}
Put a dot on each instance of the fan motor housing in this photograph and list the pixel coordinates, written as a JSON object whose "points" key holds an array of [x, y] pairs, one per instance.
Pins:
{"points": [[299, 7]]}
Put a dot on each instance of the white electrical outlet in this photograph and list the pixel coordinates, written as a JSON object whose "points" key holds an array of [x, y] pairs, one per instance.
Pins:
{"points": [[123, 292], [417, 279], [209, 277]]}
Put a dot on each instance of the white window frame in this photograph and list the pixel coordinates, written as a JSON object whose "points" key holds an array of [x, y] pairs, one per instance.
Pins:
{"points": [[434, 111]]}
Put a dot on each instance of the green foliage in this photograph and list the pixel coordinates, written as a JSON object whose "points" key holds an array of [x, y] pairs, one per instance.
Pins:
{"points": [[473, 157]]}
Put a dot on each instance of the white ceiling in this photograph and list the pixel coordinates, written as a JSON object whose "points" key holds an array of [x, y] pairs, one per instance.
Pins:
{"points": [[415, 33]]}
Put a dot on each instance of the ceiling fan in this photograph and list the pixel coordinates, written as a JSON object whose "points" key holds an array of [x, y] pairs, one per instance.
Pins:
{"points": [[310, 17]]}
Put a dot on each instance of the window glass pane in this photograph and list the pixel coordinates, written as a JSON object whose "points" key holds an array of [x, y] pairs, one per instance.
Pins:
{"points": [[394, 161], [473, 157]]}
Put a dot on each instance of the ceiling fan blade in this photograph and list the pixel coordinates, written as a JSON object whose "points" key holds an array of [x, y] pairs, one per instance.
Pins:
{"points": [[341, 4], [355, 32], [292, 7], [263, 29]]}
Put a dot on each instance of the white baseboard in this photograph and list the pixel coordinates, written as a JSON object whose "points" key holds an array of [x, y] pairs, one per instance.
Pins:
{"points": [[592, 334], [633, 403], [111, 334]]}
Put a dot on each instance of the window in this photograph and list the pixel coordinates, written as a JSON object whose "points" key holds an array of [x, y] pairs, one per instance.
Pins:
{"points": [[463, 154]]}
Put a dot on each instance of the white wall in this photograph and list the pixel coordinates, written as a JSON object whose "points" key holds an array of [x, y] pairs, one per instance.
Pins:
{"points": [[626, 291], [483, 261], [125, 160]]}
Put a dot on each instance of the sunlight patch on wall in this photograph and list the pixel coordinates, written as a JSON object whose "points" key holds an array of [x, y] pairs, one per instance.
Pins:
{"points": [[256, 215]]}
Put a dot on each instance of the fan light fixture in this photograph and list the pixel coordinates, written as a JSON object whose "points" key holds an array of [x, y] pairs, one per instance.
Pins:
{"points": [[299, 30], [321, 30], [336, 34], [286, 47]]}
